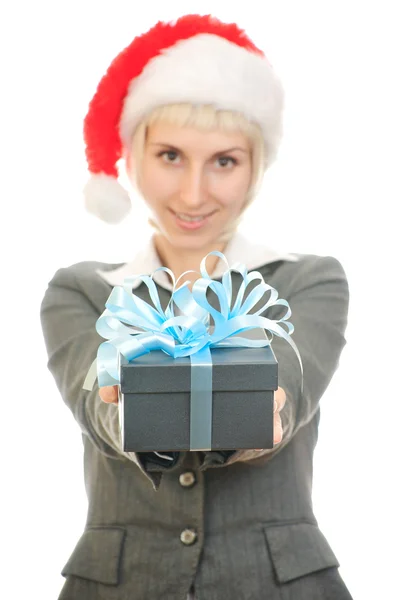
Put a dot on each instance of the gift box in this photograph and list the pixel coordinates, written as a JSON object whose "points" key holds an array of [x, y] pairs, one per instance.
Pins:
{"points": [[158, 412], [199, 374]]}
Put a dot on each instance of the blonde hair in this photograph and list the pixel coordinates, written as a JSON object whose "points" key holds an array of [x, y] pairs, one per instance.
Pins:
{"points": [[205, 118]]}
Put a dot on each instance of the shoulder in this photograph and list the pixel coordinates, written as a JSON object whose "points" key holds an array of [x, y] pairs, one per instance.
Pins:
{"points": [[327, 266], [77, 285], [305, 271], [81, 272]]}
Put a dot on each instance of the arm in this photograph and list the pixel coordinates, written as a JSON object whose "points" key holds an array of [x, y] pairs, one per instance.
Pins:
{"points": [[68, 318], [318, 296]]}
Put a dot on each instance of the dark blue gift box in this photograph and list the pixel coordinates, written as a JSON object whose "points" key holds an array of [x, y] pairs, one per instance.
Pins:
{"points": [[155, 401]]}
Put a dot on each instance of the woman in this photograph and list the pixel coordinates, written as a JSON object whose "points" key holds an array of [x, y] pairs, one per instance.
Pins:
{"points": [[195, 110]]}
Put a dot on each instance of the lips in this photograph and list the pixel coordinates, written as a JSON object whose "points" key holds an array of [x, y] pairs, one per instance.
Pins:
{"points": [[187, 221], [190, 217]]}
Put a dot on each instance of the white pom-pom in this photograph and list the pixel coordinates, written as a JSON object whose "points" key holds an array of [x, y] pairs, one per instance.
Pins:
{"points": [[106, 198]]}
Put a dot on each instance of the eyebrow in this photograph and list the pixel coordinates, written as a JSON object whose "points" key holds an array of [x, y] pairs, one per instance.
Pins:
{"points": [[220, 153]]}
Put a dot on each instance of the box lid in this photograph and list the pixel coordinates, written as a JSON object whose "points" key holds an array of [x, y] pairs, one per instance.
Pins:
{"points": [[233, 369]]}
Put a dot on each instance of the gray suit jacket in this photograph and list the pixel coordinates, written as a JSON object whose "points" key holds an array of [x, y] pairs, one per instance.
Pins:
{"points": [[237, 525]]}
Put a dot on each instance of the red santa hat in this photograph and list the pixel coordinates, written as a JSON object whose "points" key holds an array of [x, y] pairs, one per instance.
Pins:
{"points": [[196, 59]]}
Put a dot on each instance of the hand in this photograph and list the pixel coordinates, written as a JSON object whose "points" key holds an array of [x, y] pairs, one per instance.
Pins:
{"points": [[279, 403], [109, 394]]}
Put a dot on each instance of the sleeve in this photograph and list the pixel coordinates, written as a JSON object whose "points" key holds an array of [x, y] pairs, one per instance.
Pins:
{"points": [[318, 296], [68, 320]]}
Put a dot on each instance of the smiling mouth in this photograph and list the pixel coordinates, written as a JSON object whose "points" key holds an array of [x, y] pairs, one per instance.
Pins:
{"points": [[192, 218]]}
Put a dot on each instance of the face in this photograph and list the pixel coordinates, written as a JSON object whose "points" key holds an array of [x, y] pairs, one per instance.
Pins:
{"points": [[195, 183]]}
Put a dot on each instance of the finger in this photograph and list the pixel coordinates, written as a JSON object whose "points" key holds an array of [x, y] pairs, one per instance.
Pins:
{"points": [[109, 394], [279, 399], [278, 431]]}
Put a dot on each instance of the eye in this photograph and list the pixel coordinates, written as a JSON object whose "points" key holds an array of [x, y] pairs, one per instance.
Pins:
{"points": [[225, 160], [171, 155]]}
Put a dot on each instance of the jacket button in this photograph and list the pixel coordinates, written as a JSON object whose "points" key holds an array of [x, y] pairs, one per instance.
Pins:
{"points": [[188, 537], [187, 479]]}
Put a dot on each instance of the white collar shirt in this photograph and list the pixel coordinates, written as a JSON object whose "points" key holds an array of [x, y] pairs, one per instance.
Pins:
{"points": [[238, 250]]}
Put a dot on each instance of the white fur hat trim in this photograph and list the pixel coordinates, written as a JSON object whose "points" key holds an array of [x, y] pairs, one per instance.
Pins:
{"points": [[105, 198]]}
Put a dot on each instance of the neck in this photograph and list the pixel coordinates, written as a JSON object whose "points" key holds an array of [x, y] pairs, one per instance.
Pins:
{"points": [[180, 261]]}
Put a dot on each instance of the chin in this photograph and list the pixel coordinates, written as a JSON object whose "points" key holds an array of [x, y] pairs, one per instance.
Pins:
{"points": [[188, 241]]}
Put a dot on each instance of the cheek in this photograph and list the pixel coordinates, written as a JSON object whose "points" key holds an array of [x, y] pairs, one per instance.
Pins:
{"points": [[232, 190], [155, 184]]}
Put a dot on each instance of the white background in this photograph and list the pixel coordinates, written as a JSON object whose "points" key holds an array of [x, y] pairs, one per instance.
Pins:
{"points": [[332, 192]]}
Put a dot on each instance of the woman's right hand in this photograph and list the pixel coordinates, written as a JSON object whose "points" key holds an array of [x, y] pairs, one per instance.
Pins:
{"points": [[109, 393]]}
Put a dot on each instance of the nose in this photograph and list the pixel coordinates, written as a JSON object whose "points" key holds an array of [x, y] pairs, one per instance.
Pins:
{"points": [[193, 188]]}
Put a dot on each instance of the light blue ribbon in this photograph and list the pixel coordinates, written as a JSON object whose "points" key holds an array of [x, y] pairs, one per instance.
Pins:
{"points": [[133, 328], [201, 402]]}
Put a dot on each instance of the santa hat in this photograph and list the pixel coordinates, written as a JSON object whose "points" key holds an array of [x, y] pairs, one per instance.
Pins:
{"points": [[196, 59]]}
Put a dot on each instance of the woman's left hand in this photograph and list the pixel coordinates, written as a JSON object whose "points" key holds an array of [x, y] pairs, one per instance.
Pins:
{"points": [[279, 403]]}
